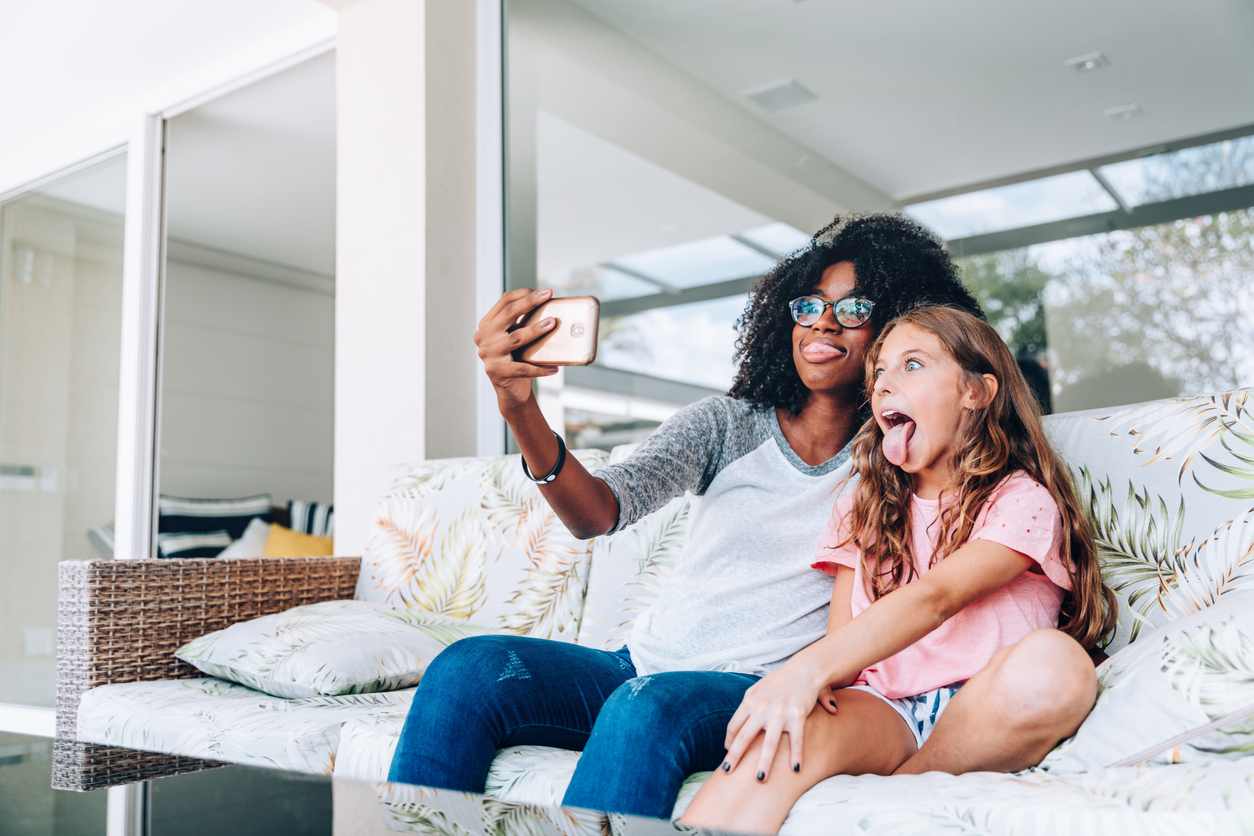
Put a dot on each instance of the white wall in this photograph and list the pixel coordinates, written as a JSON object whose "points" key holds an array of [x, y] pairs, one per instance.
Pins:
{"points": [[406, 369], [76, 76], [248, 382]]}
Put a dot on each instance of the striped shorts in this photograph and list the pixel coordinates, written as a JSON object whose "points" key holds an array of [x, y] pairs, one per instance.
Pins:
{"points": [[920, 711]]}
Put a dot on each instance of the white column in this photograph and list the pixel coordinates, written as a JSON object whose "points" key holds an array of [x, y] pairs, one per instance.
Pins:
{"points": [[418, 239], [381, 213]]}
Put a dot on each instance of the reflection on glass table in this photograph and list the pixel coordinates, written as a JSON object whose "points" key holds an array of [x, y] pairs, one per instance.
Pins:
{"points": [[237, 800]]}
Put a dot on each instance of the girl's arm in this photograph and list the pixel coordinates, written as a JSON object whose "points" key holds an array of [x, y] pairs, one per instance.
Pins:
{"points": [[781, 701]]}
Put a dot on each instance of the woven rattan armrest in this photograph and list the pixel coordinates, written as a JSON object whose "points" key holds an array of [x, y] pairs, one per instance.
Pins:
{"points": [[122, 620]]}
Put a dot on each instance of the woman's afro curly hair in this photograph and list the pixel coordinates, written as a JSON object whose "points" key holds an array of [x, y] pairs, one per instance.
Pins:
{"points": [[899, 265]]}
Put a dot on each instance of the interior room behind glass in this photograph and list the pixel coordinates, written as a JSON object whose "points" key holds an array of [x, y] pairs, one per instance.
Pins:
{"points": [[247, 355], [1091, 167]]}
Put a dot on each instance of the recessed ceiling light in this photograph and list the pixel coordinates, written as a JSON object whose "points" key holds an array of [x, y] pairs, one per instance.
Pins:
{"points": [[1086, 63], [1128, 111], [779, 95]]}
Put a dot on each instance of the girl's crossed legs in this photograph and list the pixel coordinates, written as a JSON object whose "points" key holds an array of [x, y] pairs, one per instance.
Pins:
{"points": [[1007, 717]]}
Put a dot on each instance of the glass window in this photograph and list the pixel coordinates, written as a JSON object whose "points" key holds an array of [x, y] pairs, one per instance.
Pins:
{"points": [[248, 357], [662, 156], [1022, 204], [1208, 168], [60, 334]]}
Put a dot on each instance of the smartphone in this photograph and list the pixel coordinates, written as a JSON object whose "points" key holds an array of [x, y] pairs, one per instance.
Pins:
{"points": [[572, 340]]}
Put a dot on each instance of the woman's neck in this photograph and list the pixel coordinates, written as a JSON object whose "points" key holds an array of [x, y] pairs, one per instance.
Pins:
{"points": [[822, 428]]}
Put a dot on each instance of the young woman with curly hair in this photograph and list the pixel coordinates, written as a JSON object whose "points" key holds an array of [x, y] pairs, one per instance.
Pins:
{"points": [[765, 460]]}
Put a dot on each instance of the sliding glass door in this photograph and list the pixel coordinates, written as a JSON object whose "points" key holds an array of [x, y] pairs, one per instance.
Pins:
{"points": [[60, 332]]}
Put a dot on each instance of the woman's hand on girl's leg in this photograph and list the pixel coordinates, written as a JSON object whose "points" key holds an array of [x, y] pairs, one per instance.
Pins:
{"points": [[865, 736], [1011, 714]]}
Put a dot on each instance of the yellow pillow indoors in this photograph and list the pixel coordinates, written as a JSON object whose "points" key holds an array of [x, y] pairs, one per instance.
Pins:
{"points": [[283, 542]]}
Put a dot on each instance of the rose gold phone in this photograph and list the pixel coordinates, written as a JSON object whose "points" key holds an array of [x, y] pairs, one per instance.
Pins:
{"points": [[573, 340]]}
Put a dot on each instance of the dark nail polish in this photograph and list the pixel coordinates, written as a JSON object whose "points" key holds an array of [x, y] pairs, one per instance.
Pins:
{"points": [[726, 766], [796, 767], [761, 776]]}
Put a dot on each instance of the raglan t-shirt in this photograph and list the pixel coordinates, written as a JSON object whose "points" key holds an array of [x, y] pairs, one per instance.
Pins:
{"points": [[743, 596], [1020, 515]]}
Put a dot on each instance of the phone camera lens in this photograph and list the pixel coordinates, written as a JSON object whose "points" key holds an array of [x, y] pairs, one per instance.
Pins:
{"points": [[576, 330]]}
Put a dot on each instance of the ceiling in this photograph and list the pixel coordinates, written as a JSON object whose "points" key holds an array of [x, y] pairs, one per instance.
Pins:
{"points": [[82, 67], [917, 97]]}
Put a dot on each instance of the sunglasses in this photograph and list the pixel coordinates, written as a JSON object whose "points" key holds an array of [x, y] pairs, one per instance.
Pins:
{"points": [[851, 312]]}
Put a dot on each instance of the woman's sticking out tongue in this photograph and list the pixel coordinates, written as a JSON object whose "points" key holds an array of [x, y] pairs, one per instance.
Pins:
{"points": [[897, 442]]}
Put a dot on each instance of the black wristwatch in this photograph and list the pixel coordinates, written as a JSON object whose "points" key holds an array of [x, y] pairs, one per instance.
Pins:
{"points": [[557, 468]]}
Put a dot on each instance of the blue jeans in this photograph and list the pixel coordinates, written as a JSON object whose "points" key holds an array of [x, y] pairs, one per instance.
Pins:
{"points": [[640, 736]]}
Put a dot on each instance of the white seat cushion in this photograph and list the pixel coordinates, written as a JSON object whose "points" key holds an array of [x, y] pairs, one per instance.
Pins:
{"points": [[219, 720]]}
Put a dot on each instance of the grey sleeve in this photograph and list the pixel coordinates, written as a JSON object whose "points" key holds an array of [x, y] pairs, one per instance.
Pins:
{"points": [[683, 454]]}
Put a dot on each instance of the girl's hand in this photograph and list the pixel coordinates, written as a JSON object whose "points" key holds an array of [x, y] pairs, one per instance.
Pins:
{"points": [[496, 343], [777, 703]]}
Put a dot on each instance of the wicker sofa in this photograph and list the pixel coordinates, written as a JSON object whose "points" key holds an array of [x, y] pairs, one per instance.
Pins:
{"points": [[1167, 484]]}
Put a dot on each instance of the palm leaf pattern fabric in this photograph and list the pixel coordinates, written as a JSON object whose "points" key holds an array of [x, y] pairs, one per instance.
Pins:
{"points": [[474, 539], [469, 544], [327, 649], [224, 721], [1169, 487]]}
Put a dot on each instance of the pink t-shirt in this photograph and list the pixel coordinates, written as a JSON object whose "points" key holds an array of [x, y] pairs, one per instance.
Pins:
{"points": [[1020, 515]]}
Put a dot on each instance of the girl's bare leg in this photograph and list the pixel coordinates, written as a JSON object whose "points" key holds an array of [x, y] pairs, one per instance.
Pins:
{"points": [[1009, 715], [865, 736]]}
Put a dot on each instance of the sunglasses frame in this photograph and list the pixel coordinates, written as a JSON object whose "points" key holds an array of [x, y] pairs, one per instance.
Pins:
{"points": [[835, 310]]}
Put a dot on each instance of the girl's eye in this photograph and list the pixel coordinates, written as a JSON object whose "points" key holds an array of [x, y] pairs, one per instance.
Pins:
{"points": [[913, 365], [876, 374]]}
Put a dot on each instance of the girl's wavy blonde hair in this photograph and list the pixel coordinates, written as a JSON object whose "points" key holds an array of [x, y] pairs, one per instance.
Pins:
{"points": [[992, 442]]}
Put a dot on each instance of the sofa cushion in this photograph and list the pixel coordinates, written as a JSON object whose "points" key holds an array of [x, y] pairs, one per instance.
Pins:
{"points": [[327, 649], [628, 570], [182, 514], [284, 542], [473, 539], [1120, 802], [1176, 681], [1169, 486], [224, 721]]}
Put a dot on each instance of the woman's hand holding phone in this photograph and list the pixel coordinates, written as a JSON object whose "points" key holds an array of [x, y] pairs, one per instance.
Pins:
{"points": [[497, 344]]}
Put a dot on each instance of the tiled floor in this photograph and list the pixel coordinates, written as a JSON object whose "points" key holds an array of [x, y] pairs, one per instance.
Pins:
{"points": [[233, 801]]}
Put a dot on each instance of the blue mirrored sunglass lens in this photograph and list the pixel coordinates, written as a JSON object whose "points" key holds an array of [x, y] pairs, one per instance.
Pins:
{"points": [[807, 307], [854, 310]]}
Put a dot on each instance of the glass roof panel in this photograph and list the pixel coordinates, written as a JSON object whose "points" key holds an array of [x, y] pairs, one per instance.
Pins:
{"points": [[699, 340], [1206, 168], [697, 263], [779, 238], [1010, 207], [605, 284]]}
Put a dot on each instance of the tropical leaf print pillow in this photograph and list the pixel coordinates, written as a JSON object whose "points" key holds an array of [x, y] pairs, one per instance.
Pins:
{"points": [[1169, 489], [328, 649], [474, 539], [1183, 694]]}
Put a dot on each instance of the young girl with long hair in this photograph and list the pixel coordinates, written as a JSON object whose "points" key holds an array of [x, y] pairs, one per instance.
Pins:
{"points": [[961, 558]]}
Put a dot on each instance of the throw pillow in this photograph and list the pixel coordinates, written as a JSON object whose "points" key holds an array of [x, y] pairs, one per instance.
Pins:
{"points": [[180, 514], [253, 543], [327, 649], [1182, 694], [283, 542], [316, 518], [192, 543]]}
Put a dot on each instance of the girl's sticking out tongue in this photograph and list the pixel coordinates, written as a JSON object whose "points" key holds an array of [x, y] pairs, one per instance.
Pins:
{"points": [[897, 442]]}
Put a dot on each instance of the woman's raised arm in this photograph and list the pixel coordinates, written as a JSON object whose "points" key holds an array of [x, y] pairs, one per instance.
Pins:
{"points": [[584, 503]]}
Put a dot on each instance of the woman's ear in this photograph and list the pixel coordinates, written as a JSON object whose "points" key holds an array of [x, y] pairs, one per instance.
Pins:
{"points": [[980, 393]]}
